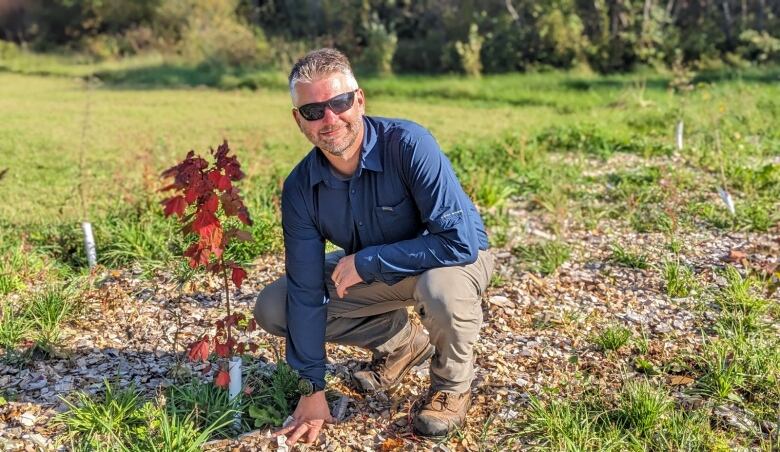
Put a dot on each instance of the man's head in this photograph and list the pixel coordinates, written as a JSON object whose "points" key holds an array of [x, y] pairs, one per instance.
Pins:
{"points": [[327, 103]]}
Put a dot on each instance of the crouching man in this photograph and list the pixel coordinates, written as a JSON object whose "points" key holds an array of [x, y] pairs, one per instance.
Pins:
{"points": [[383, 191]]}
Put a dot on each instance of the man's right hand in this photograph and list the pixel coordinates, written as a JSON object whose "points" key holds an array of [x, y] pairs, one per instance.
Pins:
{"points": [[310, 415]]}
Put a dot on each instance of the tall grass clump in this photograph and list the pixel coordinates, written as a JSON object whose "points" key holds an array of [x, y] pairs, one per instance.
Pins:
{"points": [[15, 326], [678, 278], [641, 407], [204, 404], [97, 422], [48, 308], [612, 338]]}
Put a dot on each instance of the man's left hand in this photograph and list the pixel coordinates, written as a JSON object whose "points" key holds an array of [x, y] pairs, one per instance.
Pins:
{"points": [[345, 275]]}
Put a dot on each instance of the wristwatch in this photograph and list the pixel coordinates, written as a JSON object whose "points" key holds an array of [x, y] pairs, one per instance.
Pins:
{"points": [[307, 387]]}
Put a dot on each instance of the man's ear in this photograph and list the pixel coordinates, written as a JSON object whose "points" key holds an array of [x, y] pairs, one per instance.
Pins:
{"points": [[361, 100]]}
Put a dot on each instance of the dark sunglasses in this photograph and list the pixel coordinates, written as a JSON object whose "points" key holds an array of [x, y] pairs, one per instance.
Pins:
{"points": [[316, 110]]}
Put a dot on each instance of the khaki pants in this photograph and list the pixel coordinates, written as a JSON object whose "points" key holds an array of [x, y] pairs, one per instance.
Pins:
{"points": [[374, 316]]}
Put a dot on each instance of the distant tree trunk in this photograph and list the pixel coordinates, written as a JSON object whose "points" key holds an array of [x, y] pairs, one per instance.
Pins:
{"points": [[760, 15], [727, 22]]}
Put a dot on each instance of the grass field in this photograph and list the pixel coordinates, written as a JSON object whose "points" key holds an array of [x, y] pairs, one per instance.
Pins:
{"points": [[577, 175]]}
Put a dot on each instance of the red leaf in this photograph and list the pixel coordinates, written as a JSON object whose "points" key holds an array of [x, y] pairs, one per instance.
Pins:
{"points": [[253, 347], [238, 276], [211, 204], [248, 390], [222, 379], [251, 326], [203, 220], [199, 351], [240, 348], [176, 205], [222, 350], [219, 180]]}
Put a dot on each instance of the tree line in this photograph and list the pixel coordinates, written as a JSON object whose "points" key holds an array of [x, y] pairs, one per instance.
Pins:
{"points": [[432, 36]]}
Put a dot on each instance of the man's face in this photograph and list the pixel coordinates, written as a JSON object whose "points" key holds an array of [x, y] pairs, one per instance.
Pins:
{"points": [[334, 133]]}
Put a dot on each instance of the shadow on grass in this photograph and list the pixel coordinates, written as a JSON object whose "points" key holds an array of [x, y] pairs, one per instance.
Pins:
{"points": [[167, 76]]}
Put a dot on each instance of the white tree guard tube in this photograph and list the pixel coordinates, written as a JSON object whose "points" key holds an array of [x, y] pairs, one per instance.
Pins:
{"points": [[678, 133], [89, 244], [234, 388]]}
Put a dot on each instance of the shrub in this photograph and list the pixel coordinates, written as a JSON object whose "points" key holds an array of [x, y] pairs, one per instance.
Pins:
{"points": [[377, 56]]}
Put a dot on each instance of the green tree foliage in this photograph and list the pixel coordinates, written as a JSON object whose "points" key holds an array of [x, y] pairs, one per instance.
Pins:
{"points": [[382, 36]]}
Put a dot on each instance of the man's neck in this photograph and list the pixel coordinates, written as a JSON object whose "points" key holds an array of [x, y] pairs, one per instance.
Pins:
{"points": [[346, 164]]}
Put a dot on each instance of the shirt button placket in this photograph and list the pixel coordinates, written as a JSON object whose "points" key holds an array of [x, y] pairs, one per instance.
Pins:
{"points": [[353, 203]]}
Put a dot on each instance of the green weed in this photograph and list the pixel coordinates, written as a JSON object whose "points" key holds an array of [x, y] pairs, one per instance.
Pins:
{"points": [[205, 403], [275, 397], [721, 372], [679, 280], [566, 426], [47, 309], [627, 258], [99, 422], [14, 327], [612, 338], [120, 421], [543, 257], [641, 407], [170, 433]]}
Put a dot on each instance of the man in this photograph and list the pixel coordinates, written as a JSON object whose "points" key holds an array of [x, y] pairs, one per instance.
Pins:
{"points": [[382, 190]]}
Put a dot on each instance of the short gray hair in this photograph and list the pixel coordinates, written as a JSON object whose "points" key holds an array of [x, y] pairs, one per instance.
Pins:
{"points": [[318, 63]]}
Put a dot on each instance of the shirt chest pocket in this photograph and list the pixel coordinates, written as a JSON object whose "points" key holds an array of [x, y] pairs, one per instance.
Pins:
{"points": [[399, 221]]}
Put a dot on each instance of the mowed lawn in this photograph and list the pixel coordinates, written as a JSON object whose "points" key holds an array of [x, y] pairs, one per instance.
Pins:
{"points": [[123, 135]]}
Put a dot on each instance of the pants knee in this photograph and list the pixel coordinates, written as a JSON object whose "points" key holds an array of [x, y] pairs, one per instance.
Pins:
{"points": [[443, 301], [269, 309]]}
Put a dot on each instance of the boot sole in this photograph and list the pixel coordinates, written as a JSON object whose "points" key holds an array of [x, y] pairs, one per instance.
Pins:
{"points": [[416, 361]]}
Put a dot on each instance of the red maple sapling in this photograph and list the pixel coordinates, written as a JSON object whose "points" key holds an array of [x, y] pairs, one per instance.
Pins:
{"points": [[199, 192]]}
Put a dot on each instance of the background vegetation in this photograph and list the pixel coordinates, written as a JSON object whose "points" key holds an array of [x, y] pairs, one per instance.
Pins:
{"points": [[381, 36]]}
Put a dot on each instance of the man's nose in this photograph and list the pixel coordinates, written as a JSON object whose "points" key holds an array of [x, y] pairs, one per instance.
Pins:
{"points": [[329, 117]]}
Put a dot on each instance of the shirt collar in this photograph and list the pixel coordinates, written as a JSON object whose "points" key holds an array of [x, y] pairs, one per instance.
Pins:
{"points": [[370, 156]]}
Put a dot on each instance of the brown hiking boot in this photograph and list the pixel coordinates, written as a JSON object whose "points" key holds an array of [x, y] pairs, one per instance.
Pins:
{"points": [[442, 413], [385, 372]]}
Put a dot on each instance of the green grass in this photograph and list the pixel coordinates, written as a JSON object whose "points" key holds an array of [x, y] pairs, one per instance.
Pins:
{"points": [[545, 257], [204, 403], [47, 309], [641, 416], [678, 279], [121, 420], [14, 327], [612, 338], [627, 258]]}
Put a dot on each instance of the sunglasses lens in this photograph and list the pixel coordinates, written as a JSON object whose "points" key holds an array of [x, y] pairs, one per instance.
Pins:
{"points": [[312, 112], [342, 103]]}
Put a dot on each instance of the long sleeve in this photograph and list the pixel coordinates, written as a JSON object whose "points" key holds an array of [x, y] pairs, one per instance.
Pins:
{"points": [[306, 294], [445, 209]]}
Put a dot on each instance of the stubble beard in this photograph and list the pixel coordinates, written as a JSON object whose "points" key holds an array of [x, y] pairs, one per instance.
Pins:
{"points": [[338, 148]]}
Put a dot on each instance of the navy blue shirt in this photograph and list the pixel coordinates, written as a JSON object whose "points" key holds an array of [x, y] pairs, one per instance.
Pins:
{"points": [[401, 213]]}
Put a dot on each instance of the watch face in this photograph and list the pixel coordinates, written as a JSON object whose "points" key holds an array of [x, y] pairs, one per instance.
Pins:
{"points": [[305, 386]]}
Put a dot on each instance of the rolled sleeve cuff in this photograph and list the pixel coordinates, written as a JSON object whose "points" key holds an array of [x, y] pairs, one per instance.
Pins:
{"points": [[367, 263]]}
